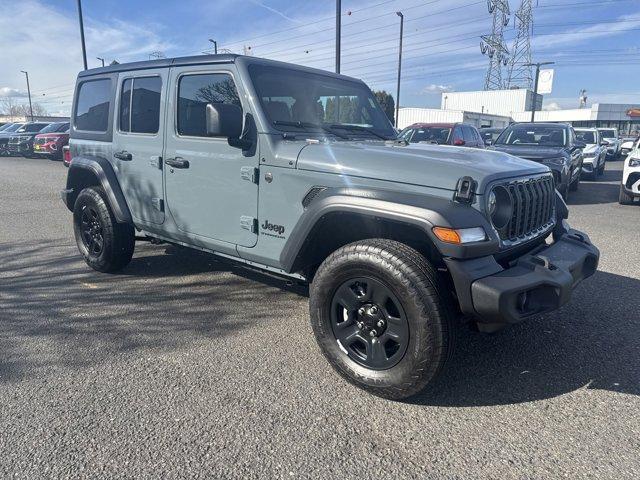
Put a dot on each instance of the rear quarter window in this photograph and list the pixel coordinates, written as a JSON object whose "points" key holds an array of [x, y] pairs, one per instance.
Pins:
{"points": [[92, 106]]}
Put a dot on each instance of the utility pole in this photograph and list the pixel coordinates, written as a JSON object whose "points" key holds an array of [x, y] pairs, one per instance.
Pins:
{"points": [[535, 85], [101, 59], [84, 50], [338, 32], [29, 92], [215, 46], [399, 67]]}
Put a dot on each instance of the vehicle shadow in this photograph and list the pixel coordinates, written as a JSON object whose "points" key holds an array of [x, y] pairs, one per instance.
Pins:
{"points": [[56, 312], [592, 343], [603, 190]]}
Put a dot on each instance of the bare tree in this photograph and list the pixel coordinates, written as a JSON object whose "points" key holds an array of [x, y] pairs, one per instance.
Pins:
{"points": [[10, 106]]}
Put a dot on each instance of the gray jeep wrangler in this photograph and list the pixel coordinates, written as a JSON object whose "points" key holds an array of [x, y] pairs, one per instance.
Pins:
{"points": [[298, 172]]}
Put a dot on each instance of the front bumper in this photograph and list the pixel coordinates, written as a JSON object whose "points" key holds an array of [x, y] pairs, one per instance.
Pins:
{"points": [[18, 147], [538, 282]]}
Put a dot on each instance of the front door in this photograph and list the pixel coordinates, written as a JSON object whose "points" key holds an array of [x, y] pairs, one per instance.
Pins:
{"points": [[138, 142], [210, 187]]}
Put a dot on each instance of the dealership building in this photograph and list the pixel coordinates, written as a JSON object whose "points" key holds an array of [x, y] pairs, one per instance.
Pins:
{"points": [[499, 108]]}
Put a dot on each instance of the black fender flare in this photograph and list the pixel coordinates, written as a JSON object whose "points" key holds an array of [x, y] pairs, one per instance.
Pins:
{"points": [[102, 170], [422, 211]]}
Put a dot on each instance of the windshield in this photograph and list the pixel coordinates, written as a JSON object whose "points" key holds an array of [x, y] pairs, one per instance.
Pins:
{"points": [[586, 136], [5, 126], [429, 134], [55, 128], [545, 136], [295, 100], [608, 133]]}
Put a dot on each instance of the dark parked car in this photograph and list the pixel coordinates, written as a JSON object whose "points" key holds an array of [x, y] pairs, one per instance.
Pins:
{"points": [[552, 144], [21, 142], [458, 134], [5, 135], [51, 139], [490, 134]]}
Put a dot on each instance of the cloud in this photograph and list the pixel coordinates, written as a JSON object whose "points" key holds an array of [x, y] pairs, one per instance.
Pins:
{"points": [[273, 10], [52, 74], [552, 106], [434, 88], [11, 92]]}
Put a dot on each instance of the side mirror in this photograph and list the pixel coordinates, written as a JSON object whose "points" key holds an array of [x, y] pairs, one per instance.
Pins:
{"points": [[579, 144], [459, 142], [224, 120]]}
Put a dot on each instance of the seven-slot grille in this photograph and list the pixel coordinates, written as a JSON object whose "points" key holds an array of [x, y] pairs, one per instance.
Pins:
{"points": [[41, 140], [533, 208]]}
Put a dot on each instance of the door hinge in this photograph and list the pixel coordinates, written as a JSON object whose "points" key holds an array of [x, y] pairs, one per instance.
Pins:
{"points": [[251, 174], [249, 223], [158, 204]]}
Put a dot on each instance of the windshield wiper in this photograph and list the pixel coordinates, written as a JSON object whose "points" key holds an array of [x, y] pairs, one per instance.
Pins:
{"points": [[359, 128], [324, 128]]}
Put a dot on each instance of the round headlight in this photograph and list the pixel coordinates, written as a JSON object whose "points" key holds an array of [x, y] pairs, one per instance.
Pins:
{"points": [[500, 207]]}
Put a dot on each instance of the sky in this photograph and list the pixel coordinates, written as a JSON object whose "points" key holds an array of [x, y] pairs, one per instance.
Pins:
{"points": [[595, 44]]}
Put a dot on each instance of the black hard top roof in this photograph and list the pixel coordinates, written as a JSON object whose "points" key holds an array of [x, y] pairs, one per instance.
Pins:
{"points": [[199, 60]]}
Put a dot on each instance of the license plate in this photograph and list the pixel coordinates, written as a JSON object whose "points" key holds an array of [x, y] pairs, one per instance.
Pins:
{"points": [[37, 147]]}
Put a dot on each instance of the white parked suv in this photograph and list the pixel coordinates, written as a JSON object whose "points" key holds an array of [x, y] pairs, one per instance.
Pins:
{"points": [[594, 154], [630, 186], [611, 136], [626, 144]]}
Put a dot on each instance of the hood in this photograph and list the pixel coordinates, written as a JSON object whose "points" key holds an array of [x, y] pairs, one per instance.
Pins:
{"points": [[590, 148], [52, 134], [531, 152], [417, 164]]}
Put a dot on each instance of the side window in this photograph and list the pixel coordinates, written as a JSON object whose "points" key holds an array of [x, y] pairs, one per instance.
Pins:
{"points": [[195, 92], [140, 105], [92, 109], [457, 134], [469, 137]]}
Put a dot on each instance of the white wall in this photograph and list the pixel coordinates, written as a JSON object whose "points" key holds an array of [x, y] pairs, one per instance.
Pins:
{"points": [[409, 116], [496, 102]]}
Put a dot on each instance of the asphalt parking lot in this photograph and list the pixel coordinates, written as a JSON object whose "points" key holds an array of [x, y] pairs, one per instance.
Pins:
{"points": [[181, 366]]}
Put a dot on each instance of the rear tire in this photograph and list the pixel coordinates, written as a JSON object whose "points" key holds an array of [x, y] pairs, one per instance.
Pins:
{"points": [[105, 244], [624, 198], [399, 352]]}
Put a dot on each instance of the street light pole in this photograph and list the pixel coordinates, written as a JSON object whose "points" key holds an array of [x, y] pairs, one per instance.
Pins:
{"points": [[535, 85], [215, 46], [399, 67], [338, 32], [29, 92], [84, 50], [101, 59]]}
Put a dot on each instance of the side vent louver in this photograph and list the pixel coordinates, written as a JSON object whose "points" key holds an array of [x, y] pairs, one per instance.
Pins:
{"points": [[311, 194]]}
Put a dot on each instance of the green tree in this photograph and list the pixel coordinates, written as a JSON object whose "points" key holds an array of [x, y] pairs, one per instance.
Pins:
{"points": [[387, 103]]}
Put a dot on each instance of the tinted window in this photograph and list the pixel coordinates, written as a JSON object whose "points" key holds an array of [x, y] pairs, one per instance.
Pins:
{"points": [[469, 137], [14, 127], [195, 92], [140, 113], [586, 136], [55, 127], [92, 109], [608, 133], [457, 134]]}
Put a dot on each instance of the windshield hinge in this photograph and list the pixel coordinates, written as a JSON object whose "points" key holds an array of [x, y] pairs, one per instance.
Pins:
{"points": [[251, 174], [465, 190]]}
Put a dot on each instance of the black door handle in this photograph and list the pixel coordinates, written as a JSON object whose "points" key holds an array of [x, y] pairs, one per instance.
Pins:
{"points": [[177, 162], [123, 155]]}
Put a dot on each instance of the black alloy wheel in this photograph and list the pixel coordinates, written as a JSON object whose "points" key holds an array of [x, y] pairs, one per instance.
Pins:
{"points": [[369, 323], [92, 231]]}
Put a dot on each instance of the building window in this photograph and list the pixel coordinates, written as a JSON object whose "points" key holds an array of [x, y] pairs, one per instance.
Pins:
{"points": [[195, 92], [92, 109]]}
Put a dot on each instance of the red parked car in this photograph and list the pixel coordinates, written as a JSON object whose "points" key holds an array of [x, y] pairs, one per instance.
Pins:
{"points": [[459, 134], [51, 139]]}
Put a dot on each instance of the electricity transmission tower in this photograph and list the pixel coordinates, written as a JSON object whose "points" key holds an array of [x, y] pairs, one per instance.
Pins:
{"points": [[493, 45], [157, 54], [519, 74]]}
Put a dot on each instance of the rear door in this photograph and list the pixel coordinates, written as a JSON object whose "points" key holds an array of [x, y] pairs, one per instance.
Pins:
{"points": [[211, 187], [138, 141]]}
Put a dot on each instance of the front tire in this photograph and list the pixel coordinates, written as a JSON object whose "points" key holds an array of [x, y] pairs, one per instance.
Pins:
{"points": [[624, 198], [381, 318], [105, 244]]}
